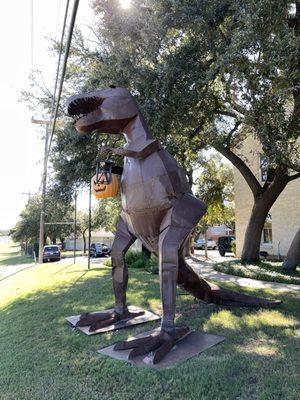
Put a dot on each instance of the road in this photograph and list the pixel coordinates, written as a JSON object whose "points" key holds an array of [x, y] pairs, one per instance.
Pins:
{"points": [[10, 270]]}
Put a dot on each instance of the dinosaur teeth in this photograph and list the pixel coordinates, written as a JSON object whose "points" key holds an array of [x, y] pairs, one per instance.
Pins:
{"points": [[83, 106]]}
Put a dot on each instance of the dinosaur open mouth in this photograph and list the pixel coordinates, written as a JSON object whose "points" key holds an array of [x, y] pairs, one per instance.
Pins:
{"points": [[79, 107]]}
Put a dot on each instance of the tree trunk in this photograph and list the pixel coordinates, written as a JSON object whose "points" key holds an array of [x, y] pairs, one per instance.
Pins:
{"points": [[54, 240], [84, 243], [192, 241], [251, 247], [264, 196], [62, 240], [205, 244], [262, 205], [293, 256]]}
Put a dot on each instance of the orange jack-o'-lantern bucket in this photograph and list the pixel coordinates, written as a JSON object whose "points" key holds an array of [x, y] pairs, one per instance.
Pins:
{"points": [[105, 184]]}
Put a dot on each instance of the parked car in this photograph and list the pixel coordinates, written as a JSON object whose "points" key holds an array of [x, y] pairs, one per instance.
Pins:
{"points": [[199, 244], [99, 250], [51, 253], [224, 244], [211, 244]]}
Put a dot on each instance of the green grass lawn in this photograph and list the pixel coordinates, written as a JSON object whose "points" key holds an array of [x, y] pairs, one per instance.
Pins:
{"points": [[11, 255], [70, 253], [42, 358], [264, 271]]}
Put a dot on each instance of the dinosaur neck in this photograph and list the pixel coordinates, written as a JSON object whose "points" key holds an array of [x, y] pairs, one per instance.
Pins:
{"points": [[137, 131]]}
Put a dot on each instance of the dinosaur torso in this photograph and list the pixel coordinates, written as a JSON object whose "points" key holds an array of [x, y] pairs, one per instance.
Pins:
{"points": [[149, 187]]}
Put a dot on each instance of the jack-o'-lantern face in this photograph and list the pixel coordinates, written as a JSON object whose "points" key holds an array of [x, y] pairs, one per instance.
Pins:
{"points": [[102, 188]]}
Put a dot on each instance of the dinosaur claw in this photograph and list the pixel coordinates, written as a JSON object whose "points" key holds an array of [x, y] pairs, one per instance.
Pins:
{"points": [[100, 320], [159, 344], [163, 350]]}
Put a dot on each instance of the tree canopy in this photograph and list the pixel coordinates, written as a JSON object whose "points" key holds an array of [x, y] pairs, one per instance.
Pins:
{"points": [[205, 74], [215, 188], [56, 210]]}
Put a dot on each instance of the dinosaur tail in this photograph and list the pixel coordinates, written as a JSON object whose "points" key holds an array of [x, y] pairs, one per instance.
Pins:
{"points": [[189, 280]]}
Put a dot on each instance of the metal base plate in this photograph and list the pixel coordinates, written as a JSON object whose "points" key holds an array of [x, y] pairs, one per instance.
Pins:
{"points": [[146, 317], [189, 346]]}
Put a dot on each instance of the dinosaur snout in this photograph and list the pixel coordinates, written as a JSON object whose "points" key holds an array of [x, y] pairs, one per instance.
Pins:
{"points": [[105, 111], [79, 106]]}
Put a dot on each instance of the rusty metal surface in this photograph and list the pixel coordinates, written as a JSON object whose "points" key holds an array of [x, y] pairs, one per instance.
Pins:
{"points": [[158, 208], [189, 346], [146, 317]]}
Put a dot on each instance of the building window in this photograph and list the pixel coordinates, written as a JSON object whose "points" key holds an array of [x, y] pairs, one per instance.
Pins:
{"points": [[267, 231], [264, 165]]}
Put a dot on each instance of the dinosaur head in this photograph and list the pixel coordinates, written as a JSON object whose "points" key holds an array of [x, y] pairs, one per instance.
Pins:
{"points": [[105, 111]]}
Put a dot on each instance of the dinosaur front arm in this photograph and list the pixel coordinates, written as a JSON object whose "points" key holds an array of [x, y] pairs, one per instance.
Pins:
{"points": [[138, 151]]}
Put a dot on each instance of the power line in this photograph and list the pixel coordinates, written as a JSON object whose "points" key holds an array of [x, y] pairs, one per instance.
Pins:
{"points": [[47, 141], [31, 35], [55, 85], [68, 44], [59, 59]]}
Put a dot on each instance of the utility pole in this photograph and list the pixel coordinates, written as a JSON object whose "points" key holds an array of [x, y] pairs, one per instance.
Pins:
{"points": [[75, 225], [90, 223], [44, 183], [54, 113]]}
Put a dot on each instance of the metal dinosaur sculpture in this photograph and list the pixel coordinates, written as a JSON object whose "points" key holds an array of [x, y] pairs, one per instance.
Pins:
{"points": [[158, 207]]}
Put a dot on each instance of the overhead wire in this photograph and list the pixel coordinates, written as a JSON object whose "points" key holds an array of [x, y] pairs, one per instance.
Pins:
{"points": [[55, 102], [48, 145], [63, 72], [59, 59], [31, 35], [56, 81]]}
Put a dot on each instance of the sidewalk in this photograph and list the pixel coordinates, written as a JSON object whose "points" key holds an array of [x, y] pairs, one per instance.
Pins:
{"points": [[9, 270], [206, 270]]}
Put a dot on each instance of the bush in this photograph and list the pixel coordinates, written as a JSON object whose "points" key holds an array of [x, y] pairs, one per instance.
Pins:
{"points": [[138, 260], [233, 247], [153, 265], [107, 262], [264, 271]]}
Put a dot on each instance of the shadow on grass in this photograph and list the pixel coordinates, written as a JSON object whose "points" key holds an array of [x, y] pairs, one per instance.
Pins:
{"points": [[37, 346], [15, 260]]}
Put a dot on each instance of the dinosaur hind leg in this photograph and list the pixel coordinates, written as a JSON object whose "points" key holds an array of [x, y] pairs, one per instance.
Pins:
{"points": [[123, 240], [189, 280]]}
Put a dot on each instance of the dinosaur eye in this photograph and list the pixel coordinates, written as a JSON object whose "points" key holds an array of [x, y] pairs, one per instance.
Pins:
{"points": [[112, 86]]}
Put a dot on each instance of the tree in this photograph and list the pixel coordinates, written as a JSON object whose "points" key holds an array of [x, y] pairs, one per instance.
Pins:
{"points": [[207, 73], [27, 228], [215, 188], [83, 226], [108, 212], [241, 78], [293, 256], [57, 209], [105, 215]]}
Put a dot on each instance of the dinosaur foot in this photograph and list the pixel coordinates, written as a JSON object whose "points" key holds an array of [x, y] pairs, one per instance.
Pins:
{"points": [[100, 320], [159, 344]]}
